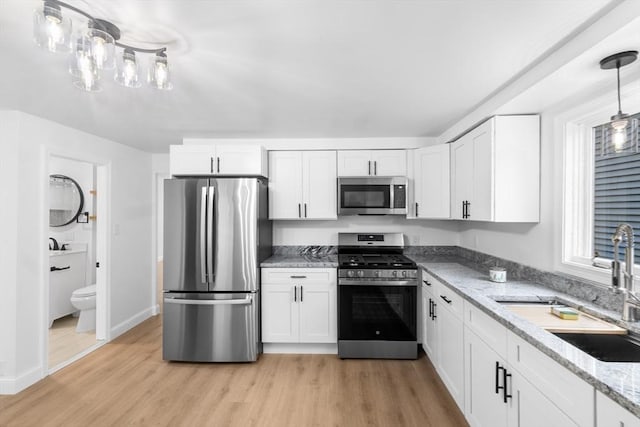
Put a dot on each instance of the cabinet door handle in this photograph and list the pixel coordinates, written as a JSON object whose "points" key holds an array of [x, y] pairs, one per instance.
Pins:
{"points": [[463, 206], [498, 368], [301, 293], [295, 294], [447, 300], [369, 167], [299, 211], [375, 167], [211, 164], [468, 205], [416, 209], [305, 210], [433, 314], [430, 309], [68, 267], [505, 394], [298, 277]]}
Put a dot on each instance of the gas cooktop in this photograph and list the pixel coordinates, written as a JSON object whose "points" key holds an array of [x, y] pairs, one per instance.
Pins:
{"points": [[369, 260]]}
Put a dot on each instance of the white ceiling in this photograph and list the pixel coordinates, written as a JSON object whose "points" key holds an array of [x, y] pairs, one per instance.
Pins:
{"points": [[292, 69]]}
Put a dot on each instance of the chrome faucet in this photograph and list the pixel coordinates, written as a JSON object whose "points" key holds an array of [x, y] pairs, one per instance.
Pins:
{"points": [[631, 300]]}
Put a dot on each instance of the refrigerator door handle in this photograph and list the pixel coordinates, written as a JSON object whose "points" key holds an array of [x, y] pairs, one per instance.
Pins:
{"points": [[248, 300], [211, 235], [203, 231]]}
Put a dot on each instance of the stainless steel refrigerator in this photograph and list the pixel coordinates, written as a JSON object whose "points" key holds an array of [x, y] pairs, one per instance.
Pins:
{"points": [[216, 233]]}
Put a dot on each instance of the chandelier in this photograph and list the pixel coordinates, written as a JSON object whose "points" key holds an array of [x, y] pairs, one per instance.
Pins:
{"points": [[93, 50]]}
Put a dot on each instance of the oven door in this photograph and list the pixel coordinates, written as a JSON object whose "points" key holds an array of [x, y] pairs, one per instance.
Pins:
{"points": [[377, 312]]}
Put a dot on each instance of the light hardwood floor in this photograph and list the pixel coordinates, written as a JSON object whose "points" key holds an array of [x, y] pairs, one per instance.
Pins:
{"points": [[126, 382], [65, 342]]}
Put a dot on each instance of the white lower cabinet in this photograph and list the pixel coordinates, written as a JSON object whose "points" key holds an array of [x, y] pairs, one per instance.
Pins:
{"points": [[508, 382], [610, 414], [443, 334], [299, 305]]}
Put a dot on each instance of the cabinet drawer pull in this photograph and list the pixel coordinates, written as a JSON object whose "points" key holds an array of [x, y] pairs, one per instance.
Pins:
{"points": [[447, 300], [426, 282], [298, 277], [60, 268]]}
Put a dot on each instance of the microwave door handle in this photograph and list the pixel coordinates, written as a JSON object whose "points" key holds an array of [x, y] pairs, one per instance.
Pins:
{"points": [[203, 235], [211, 235]]}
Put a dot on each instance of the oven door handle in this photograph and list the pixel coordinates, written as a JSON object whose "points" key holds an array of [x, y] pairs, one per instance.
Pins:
{"points": [[413, 283]]}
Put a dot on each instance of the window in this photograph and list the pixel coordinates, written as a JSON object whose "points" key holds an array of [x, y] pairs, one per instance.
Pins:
{"points": [[598, 192], [616, 194]]}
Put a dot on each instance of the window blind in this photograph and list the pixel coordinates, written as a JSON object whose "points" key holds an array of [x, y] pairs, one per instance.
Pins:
{"points": [[616, 193]]}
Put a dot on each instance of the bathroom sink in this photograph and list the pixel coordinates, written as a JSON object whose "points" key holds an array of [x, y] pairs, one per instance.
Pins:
{"points": [[605, 347]]}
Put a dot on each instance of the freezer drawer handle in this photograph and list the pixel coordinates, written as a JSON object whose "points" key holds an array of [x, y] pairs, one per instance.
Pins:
{"points": [[244, 301], [298, 277]]}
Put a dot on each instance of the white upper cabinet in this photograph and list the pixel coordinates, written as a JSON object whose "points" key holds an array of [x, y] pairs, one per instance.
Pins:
{"points": [[372, 163], [431, 182], [495, 171], [302, 185], [241, 160]]}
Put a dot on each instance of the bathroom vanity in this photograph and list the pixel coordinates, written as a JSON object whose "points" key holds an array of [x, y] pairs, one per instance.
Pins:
{"points": [[67, 272]]}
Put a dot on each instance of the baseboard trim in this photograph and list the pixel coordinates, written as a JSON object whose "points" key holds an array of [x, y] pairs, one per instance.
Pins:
{"points": [[17, 384], [131, 322], [297, 348], [155, 310], [78, 356]]}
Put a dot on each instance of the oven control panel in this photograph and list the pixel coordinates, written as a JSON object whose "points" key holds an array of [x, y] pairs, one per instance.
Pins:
{"points": [[386, 274]]}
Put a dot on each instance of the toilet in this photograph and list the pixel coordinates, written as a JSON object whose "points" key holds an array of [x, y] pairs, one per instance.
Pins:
{"points": [[84, 299]]}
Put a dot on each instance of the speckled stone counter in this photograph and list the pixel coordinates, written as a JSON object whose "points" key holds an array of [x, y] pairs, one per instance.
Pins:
{"points": [[619, 381], [302, 257], [301, 261]]}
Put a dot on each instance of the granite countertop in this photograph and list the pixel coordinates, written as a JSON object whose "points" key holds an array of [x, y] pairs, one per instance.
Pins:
{"points": [[619, 381], [301, 261]]}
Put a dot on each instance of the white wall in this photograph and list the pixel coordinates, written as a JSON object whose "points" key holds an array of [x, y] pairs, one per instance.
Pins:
{"points": [[78, 233], [417, 232], [27, 143]]}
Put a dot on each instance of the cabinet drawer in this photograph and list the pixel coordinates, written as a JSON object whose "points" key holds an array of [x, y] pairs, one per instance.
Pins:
{"points": [[446, 297], [487, 329], [567, 391], [298, 276], [610, 414]]}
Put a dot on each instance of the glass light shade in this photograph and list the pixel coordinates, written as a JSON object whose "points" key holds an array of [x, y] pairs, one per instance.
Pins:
{"points": [[51, 30], [159, 76], [127, 70], [620, 137], [102, 48], [83, 67]]}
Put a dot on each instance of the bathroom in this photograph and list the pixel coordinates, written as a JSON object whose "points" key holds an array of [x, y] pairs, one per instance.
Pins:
{"points": [[72, 259]]}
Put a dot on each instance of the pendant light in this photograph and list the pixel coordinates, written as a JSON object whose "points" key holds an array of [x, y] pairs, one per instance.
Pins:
{"points": [[93, 49], [620, 134]]}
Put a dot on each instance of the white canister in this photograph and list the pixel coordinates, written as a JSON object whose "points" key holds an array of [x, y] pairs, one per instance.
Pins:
{"points": [[498, 274]]}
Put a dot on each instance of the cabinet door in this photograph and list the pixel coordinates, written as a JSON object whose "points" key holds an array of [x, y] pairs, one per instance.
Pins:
{"points": [[354, 163], [280, 313], [240, 160], [192, 159], [389, 162], [528, 407], [610, 414], [319, 183], [483, 405], [481, 206], [462, 175], [285, 185], [318, 313], [432, 179], [450, 353]]}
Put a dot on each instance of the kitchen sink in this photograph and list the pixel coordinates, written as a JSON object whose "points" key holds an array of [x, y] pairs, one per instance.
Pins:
{"points": [[606, 347], [538, 300]]}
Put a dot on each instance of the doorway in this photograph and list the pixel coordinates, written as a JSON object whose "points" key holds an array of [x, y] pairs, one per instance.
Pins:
{"points": [[76, 289]]}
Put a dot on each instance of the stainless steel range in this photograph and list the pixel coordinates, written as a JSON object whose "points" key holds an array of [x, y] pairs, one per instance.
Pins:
{"points": [[377, 297]]}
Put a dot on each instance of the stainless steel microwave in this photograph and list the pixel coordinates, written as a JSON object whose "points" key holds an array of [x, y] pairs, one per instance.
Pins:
{"points": [[372, 196]]}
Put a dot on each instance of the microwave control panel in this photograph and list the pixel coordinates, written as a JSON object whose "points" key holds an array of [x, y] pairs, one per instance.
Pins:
{"points": [[399, 196]]}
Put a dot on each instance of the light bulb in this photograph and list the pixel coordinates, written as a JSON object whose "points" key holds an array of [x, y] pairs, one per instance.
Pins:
{"points": [[161, 74], [129, 71], [99, 52], [619, 138]]}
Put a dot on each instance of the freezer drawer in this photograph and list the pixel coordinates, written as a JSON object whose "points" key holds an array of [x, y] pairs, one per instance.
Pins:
{"points": [[206, 327]]}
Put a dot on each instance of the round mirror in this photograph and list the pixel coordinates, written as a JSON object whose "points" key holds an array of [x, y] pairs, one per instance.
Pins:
{"points": [[65, 200]]}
